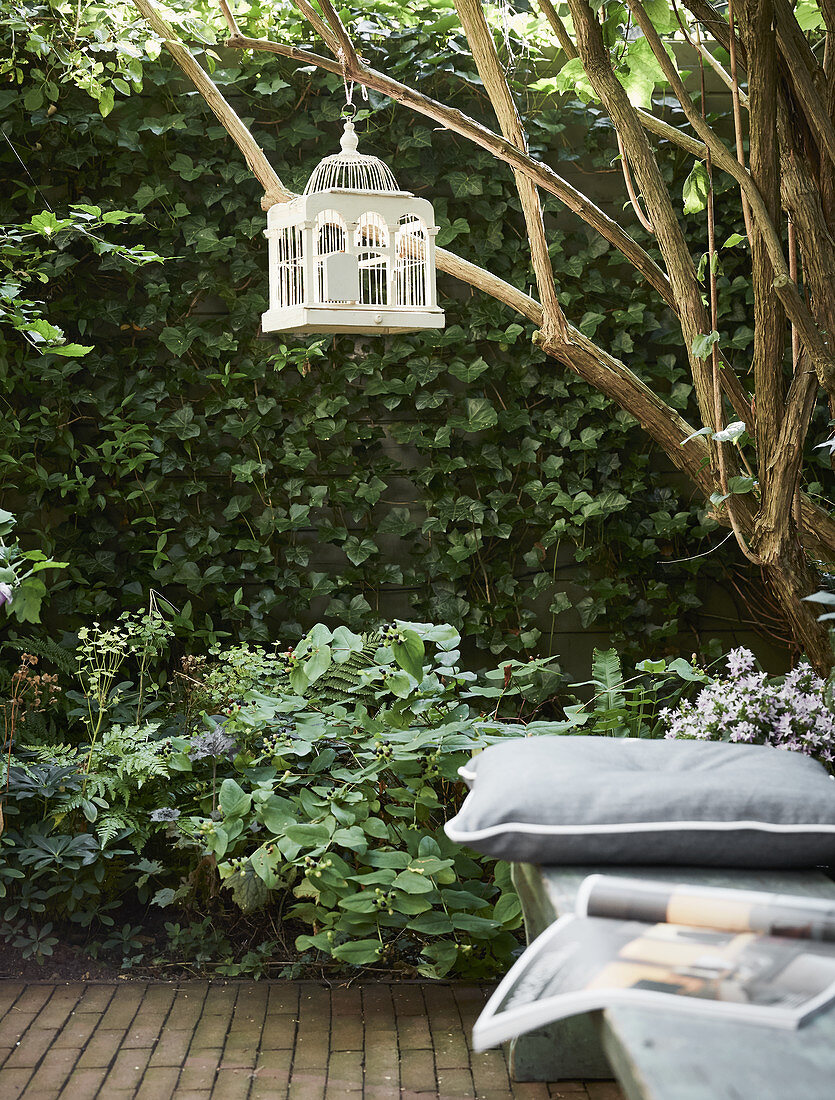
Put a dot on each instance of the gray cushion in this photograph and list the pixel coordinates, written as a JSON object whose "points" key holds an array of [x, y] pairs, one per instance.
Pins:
{"points": [[554, 799]]}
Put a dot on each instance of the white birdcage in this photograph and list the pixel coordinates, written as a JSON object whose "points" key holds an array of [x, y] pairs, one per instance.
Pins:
{"points": [[353, 254]]}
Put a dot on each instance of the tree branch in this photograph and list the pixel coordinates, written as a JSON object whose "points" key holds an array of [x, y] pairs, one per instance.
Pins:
{"points": [[486, 139], [803, 68], [489, 68], [345, 50], [668, 233], [228, 15], [784, 286], [274, 189], [559, 29], [318, 23]]}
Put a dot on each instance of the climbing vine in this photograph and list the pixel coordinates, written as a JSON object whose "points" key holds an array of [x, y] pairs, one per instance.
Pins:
{"points": [[261, 484]]}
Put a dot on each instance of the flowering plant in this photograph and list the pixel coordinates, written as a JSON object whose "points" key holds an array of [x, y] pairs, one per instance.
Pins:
{"points": [[792, 712], [21, 590]]}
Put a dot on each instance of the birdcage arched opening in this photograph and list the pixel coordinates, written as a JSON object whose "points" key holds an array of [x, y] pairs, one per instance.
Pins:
{"points": [[336, 267], [412, 283], [372, 244]]}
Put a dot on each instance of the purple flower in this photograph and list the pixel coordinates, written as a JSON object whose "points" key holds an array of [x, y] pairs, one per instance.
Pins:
{"points": [[6, 592], [789, 712]]}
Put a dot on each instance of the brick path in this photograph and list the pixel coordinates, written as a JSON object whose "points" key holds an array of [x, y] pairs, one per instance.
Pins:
{"points": [[252, 1041]]}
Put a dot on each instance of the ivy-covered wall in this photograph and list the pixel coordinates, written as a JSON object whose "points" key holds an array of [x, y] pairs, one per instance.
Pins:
{"points": [[262, 483]]}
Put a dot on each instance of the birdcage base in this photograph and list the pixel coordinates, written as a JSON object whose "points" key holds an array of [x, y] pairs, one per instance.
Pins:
{"points": [[353, 320]]}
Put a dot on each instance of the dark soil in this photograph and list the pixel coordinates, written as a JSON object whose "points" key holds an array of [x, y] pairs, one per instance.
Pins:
{"points": [[65, 964]]}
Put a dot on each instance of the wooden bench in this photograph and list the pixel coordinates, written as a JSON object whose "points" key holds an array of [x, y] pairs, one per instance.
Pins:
{"points": [[658, 1056]]}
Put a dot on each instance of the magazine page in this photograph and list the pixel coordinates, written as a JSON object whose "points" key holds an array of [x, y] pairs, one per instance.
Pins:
{"points": [[706, 907], [585, 963]]}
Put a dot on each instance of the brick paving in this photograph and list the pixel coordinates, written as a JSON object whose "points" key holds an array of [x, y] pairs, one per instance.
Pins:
{"points": [[254, 1041]]}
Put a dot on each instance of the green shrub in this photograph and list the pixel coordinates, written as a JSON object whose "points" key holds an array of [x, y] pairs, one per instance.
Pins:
{"points": [[307, 787]]}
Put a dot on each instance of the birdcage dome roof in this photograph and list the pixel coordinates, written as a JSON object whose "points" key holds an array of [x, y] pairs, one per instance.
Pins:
{"points": [[349, 170]]}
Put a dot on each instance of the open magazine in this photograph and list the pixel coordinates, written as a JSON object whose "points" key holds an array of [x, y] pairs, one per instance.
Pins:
{"points": [[757, 957]]}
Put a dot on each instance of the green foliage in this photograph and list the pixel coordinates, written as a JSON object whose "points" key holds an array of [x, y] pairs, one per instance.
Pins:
{"points": [[329, 811], [626, 708], [457, 476], [22, 588]]}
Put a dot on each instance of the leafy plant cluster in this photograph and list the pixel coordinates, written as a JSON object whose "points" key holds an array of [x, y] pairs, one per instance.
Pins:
{"points": [[264, 484], [272, 792]]}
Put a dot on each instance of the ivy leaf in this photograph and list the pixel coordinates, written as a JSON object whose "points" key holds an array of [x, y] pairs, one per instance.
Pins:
{"points": [[695, 190], [357, 552], [480, 414], [464, 184], [468, 371], [703, 343], [178, 340]]}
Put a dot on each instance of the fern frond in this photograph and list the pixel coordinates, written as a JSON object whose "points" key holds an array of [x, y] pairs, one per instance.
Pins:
{"points": [[48, 650]]}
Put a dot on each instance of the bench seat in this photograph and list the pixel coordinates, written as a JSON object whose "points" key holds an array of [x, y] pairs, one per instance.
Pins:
{"points": [[657, 1056]]}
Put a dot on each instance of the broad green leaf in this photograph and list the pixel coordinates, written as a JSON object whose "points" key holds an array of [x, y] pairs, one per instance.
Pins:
{"points": [[248, 889], [695, 190], [233, 800], [409, 654], [358, 952], [740, 484], [71, 351], [432, 923], [344, 643], [400, 684], [317, 664], [661, 15], [413, 883], [264, 864]]}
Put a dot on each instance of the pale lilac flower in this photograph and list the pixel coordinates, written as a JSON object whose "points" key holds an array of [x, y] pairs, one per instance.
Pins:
{"points": [[747, 707], [739, 661], [6, 592]]}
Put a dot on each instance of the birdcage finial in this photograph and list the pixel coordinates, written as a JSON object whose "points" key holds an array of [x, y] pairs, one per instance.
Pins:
{"points": [[348, 141]]}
